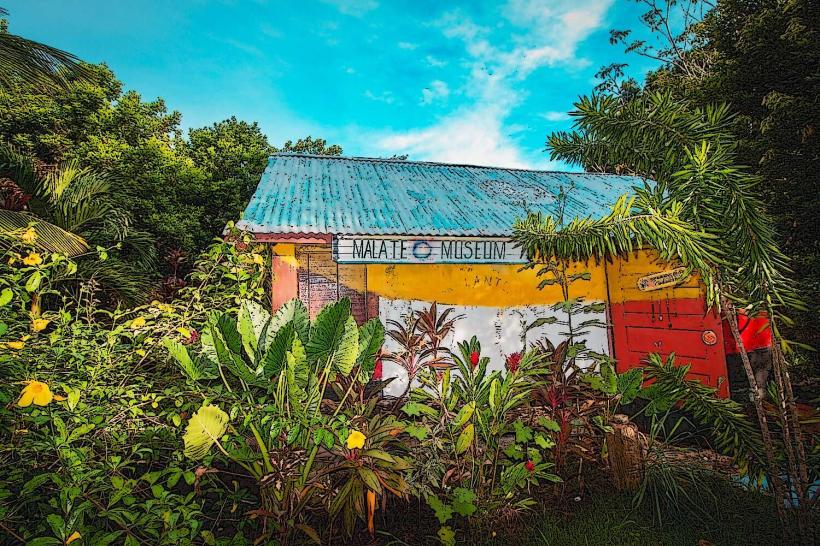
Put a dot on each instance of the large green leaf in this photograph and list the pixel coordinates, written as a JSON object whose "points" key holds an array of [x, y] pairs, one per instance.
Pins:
{"points": [[191, 367], [371, 338], [465, 439], [334, 338], [294, 312], [274, 360], [344, 357], [227, 345], [227, 326], [252, 321], [298, 375], [204, 428], [297, 360]]}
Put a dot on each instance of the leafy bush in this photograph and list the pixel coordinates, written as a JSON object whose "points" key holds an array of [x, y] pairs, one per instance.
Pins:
{"points": [[207, 419]]}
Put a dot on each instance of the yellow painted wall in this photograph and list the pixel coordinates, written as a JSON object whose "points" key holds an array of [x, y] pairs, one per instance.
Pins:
{"points": [[500, 285], [625, 271], [497, 285]]}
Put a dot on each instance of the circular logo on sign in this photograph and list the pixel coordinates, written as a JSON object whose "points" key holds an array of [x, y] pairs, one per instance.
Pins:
{"points": [[422, 250], [709, 337]]}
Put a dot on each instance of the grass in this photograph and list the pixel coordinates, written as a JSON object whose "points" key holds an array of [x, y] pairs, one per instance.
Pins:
{"points": [[734, 517]]}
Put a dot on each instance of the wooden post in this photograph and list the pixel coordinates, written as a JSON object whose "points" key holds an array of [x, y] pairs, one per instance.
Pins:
{"points": [[626, 450]]}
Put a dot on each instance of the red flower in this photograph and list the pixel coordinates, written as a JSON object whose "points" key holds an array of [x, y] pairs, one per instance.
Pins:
{"points": [[474, 358], [513, 361], [377, 370], [530, 466], [193, 338]]}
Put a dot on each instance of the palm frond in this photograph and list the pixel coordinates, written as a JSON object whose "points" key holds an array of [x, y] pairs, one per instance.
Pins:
{"points": [[19, 168], [50, 237], [118, 279], [731, 430], [623, 230], [27, 61]]}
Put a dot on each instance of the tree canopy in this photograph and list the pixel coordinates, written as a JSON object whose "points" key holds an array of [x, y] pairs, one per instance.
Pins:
{"points": [[179, 190], [761, 58]]}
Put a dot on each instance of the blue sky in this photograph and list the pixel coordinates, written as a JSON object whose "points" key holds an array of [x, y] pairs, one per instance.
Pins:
{"points": [[465, 82]]}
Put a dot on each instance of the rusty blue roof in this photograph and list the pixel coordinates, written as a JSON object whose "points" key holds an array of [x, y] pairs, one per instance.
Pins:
{"points": [[301, 193]]}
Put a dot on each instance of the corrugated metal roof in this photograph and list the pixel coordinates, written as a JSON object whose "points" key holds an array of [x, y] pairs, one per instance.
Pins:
{"points": [[301, 193]]}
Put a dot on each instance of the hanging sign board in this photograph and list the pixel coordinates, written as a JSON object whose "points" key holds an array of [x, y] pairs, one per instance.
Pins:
{"points": [[662, 279], [352, 249]]}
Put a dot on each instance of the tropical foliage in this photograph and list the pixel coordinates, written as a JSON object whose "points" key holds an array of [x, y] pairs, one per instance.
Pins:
{"points": [[176, 193], [692, 154], [146, 422]]}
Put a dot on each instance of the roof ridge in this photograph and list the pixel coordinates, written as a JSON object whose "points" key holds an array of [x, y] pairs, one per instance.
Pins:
{"points": [[437, 163]]}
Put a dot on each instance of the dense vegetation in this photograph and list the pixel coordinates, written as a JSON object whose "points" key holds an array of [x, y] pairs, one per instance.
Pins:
{"points": [[173, 194], [762, 59], [197, 416], [208, 420]]}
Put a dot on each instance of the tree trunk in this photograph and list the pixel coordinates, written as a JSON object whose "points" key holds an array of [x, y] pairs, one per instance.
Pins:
{"points": [[626, 450], [756, 396], [792, 439]]}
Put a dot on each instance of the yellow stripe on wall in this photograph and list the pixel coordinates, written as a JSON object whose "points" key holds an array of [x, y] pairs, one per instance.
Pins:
{"points": [[502, 285], [498, 285]]}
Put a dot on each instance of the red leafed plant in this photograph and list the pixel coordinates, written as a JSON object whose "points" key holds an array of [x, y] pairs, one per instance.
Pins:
{"points": [[419, 342]]}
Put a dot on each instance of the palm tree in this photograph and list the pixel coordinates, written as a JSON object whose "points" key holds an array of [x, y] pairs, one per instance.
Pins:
{"points": [[23, 60], [702, 209], [74, 210]]}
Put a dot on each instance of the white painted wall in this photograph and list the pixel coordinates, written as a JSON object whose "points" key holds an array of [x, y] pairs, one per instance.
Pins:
{"points": [[498, 329]]}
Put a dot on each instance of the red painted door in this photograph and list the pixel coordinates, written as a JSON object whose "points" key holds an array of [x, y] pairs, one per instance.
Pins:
{"points": [[647, 317]]}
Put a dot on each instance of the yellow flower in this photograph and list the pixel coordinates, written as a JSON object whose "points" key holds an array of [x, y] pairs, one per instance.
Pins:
{"points": [[355, 440], [29, 236], [37, 392], [39, 324], [74, 536], [138, 323], [257, 259], [164, 307], [16, 345], [33, 259]]}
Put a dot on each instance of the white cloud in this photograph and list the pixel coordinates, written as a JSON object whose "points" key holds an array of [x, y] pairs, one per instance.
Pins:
{"points": [[357, 8], [434, 62], [475, 138], [387, 97], [555, 116], [546, 34], [435, 91], [407, 45]]}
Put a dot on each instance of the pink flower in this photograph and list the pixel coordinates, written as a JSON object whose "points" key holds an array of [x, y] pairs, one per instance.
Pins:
{"points": [[474, 359], [513, 361], [530, 466]]}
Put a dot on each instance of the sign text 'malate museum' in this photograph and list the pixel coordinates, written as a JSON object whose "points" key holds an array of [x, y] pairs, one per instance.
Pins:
{"points": [[452, 250]]}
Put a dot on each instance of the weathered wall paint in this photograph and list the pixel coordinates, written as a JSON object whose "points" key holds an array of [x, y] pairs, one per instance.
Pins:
{"points": [[285, 272], [499, 300], [478, 285], [500, 330], [668, 320]]}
